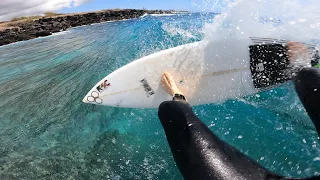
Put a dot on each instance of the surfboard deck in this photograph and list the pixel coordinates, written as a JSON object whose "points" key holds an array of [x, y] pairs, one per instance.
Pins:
{"points": [[206, 72]]}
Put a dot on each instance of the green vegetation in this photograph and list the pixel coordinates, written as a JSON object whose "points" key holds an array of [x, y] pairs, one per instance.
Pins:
{"points": [[52, 14], [29, 18], [115, 9], [26, 18]]}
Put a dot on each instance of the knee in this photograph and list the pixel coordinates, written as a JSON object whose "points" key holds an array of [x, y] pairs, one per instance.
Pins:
{"points": [[175, 115], [165, 109], [308, 75], [174, 106], [170, 109], [308, 79]]}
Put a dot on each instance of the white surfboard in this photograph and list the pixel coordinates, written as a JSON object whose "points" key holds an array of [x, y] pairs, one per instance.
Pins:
{"points": [[206, 72]]}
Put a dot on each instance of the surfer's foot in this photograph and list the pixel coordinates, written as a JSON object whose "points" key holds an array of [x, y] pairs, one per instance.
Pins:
{"points": [[169, 85], [297, 51]]}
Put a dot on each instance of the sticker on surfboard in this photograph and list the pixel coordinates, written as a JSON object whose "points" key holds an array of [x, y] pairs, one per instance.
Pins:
{"points": [[103, 86], [94, 97], [147, 87]]}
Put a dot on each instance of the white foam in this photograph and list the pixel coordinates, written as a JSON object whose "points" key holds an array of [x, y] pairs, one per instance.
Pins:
{"points": [[60, 33], [115, 21], [163, 14], [146, 14]]}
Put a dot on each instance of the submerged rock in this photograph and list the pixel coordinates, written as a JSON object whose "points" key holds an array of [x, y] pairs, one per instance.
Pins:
{"points": [[43, 33]]}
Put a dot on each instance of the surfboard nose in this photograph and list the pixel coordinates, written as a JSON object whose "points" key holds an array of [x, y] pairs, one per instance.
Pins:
{"points": [[92, 98], [85, 99]]}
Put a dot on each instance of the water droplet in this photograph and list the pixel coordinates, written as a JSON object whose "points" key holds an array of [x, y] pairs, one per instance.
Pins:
{"points": [[116, 178], [211, 125], [316, 159]]}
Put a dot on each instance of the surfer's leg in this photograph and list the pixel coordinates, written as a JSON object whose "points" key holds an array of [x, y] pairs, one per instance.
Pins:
{"points": [[307, 84], [199, 153]]}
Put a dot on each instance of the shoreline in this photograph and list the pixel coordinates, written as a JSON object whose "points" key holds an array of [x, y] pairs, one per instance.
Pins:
{"points": [[47, 26], [66, 31]]}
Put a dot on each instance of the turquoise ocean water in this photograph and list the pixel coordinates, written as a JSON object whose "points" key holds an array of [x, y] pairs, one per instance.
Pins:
{"points": [[46, 132]]}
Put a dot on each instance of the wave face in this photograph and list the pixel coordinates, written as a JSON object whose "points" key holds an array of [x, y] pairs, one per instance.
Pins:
{"points": [[47, 132]]}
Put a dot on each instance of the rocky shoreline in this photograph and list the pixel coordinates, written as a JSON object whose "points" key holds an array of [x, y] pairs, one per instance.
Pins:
{"points": [[48, 25]]}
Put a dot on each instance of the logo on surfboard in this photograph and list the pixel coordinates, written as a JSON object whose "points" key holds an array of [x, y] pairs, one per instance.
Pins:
{"points": [[103, 86], [94, 97], [147, 87], [260, 67]]}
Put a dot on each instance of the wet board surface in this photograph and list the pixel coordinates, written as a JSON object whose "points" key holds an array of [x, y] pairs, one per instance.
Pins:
{"points": [[206, 72]]}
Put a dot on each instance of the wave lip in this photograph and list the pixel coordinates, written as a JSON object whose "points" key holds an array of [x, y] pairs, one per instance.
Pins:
{"points": [[158, 15], [145, 14]]}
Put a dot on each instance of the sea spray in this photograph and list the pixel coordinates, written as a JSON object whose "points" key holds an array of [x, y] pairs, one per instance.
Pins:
{"points": [[288, 19]]}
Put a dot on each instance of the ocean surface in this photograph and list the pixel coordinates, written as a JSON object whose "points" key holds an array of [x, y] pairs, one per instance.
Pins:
{"points": [[46, 132]]}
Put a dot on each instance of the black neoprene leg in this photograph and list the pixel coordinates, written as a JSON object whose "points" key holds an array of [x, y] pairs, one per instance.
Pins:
{"points": [[307, 85], [199, 153]]}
